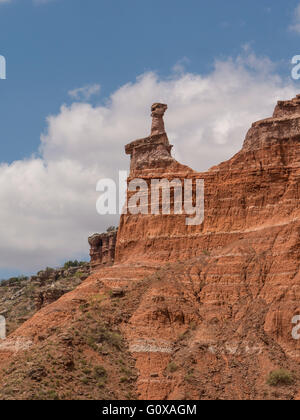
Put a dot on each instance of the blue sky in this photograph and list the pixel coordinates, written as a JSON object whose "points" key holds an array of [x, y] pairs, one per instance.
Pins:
{"points": [[54, 47]]}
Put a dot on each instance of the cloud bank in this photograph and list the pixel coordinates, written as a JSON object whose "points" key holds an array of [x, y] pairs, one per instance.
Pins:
{"points": [[48, 203]]}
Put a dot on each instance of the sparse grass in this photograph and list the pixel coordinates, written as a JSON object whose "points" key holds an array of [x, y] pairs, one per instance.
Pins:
{"points": [[100, 372], [189, 377], [101, 335], [85, 380], [126, 371], [129, 396], [193, 325], [172, 367], [280, 377], [115, 340], [84, 307], [112, 375], [206, 252], [182, 335]]}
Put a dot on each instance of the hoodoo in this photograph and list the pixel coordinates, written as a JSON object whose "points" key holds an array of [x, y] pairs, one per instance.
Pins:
{"points": [[153, 151]]}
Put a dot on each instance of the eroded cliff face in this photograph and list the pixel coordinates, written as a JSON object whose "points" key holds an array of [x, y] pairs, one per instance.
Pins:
{"points": [[205, 311], [251, 244], [102, 249], [255, 190]]}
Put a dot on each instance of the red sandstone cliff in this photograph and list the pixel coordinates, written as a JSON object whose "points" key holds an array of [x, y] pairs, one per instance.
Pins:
{"points": [[206, 310]]}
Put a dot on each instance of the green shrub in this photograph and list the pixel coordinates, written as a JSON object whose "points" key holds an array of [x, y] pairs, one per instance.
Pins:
{"points": [[91, 342], [126, 371], [52, 395], [115, 340], [79, 274], [172, 367], [280, 377], [100, 372], [74, 263], [111, 229]]}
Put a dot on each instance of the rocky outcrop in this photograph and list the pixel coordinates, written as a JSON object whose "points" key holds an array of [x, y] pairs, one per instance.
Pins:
{"points": [[21, 297], [48, 296], [280, 130], [51, 275], [149, 152], [102, 249]]}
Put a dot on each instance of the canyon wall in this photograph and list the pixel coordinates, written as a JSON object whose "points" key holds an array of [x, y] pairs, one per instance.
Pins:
{"points": [[206, 310], [244, 256]]}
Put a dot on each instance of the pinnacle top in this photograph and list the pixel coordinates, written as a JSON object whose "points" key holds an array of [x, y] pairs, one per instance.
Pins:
{"points": [[157, 113]]}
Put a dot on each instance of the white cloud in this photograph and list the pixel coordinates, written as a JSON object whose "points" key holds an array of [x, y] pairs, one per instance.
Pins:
{"points": [[295, 26], [85, 92], [48, 204]]}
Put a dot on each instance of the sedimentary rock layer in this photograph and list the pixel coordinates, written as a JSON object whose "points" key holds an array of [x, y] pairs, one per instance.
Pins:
{"points": [[208, 308]]}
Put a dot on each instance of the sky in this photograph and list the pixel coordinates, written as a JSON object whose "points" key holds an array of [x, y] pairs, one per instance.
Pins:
{"points": [[81, 77]]}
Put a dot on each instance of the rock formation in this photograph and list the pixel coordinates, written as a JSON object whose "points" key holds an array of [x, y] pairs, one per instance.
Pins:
{"points": [[206, 310], [153, 151], [21, 297], [48, 296], [102, 249], [157, 113], [235, 201]]}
